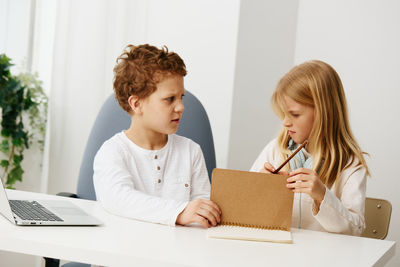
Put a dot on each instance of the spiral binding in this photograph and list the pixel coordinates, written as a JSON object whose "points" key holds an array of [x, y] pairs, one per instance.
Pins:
{"points": [[255, 226]]}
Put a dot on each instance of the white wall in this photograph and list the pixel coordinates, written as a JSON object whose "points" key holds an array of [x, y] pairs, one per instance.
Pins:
{"points": [[266, 44], [361, 40]]}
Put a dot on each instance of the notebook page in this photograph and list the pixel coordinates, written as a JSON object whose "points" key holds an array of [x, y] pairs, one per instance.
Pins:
{"points": [[248, 233]]}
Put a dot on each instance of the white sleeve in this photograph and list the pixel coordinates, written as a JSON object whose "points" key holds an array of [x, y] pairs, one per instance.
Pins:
{"points": [[268, 154], [200, 181], [116, 191], [345, 215]]}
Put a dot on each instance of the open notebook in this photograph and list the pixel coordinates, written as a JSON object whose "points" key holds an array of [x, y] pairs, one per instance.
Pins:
{"points": [[255, 206]]}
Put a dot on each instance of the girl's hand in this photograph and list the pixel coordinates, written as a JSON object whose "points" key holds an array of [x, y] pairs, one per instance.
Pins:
{"points": [[268, 168], [307, 181], [202, 211]]}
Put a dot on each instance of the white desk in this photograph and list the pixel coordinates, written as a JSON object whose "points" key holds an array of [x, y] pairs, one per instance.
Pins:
{"points": [[125, 242]]}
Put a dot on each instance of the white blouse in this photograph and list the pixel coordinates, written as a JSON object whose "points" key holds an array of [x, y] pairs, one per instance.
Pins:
{"points": [[149, 185], [341, 211]]}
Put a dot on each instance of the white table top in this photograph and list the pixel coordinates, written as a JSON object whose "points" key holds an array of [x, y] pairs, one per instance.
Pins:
{"points": [[126, 242]]}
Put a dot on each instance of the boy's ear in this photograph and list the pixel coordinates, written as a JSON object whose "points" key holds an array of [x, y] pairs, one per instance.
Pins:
{"points": [[135, 104]]}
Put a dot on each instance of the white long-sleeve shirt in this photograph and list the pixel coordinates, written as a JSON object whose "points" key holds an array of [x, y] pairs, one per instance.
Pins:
{"points": [[342, 209], [149, 185]]}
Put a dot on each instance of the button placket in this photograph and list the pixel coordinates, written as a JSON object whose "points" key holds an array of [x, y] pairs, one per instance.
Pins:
{"points": [[158, 171]]}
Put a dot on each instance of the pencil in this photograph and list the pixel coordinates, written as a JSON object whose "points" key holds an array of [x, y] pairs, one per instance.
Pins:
{"points": [[290, 157]]}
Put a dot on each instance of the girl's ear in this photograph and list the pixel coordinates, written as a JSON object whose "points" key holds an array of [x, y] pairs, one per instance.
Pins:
{"points": [[135, 104]]}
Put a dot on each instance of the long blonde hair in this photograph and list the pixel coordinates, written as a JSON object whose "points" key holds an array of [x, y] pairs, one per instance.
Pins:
{"points": [[331, 141]]}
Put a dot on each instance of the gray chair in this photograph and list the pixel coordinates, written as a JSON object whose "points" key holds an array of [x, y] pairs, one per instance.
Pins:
{"points": [[112, 119]]}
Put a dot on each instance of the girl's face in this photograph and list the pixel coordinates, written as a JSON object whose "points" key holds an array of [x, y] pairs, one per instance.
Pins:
{"points": [[298, 120]]}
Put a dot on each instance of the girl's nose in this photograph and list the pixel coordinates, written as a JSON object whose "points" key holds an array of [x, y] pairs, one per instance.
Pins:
{"points": [[286, 121]]}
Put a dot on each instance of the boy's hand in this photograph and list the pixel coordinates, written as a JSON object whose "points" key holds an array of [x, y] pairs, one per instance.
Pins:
{"points": [[268, 168], [202, 211]]}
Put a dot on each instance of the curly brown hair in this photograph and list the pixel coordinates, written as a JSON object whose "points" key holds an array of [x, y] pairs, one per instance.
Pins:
{"points": [[140, 68]]}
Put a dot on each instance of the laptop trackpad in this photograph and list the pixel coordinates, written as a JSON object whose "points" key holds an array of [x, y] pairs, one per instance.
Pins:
{"points": [[70, 211], [64, 208]]}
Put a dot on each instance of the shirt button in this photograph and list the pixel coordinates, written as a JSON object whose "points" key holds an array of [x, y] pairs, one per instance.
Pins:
{"points": [[159, 181], [186, 185], [158, 168], [155, 157]]}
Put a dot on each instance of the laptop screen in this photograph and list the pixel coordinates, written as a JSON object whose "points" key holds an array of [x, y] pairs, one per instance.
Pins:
{"points": [[5, 209]]}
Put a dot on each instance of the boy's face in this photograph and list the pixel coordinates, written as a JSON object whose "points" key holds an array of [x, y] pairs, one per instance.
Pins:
{"points": [[162, 110]]}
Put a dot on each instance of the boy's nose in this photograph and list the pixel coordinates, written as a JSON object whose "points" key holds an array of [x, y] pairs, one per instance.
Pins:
{"points": [[180, 107]]}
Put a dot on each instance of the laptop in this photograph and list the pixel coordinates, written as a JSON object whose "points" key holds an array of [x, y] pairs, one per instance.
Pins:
{"points": [[43, 212]]}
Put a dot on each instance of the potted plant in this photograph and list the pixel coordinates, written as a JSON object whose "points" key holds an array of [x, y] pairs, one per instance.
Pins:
{"points": [[23, 107]]}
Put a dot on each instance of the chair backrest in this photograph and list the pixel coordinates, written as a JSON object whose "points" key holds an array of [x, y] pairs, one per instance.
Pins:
{"points": [[112, 119], [377, 218]]}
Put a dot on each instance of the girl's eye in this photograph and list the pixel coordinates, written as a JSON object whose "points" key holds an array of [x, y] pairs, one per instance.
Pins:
{"points": [[171, 98]]}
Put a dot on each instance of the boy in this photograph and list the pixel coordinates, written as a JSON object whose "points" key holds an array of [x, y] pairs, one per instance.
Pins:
{"points": [[147, 172]]}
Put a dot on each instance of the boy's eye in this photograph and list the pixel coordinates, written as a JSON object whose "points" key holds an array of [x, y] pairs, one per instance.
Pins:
{"points": [[172, 98]]}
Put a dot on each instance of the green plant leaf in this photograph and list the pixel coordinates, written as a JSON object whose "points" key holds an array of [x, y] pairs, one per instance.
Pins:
{"points": [[5, 147], [5, 64], [13, 85], [11, 180], [17, 141], [15, 175], [23, 110], [18, 159], [5, 133], [4, 163]]}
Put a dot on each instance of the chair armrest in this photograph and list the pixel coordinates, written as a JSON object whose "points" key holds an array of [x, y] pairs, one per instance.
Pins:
{"points": [[67, 194]]}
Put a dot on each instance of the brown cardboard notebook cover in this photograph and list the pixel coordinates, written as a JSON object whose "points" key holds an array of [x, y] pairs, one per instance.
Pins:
{"points": [[251, 199]]}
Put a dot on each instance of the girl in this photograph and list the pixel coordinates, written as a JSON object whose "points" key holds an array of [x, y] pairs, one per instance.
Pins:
{"points": [[328, 176]]}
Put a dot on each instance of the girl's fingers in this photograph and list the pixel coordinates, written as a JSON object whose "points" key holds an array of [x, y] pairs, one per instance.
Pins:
{"points": [[268, 167], [298, 177], [301, 170], [298, 185]]}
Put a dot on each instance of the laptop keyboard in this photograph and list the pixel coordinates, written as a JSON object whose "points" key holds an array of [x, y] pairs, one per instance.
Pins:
{"points": [[32, 210]]}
